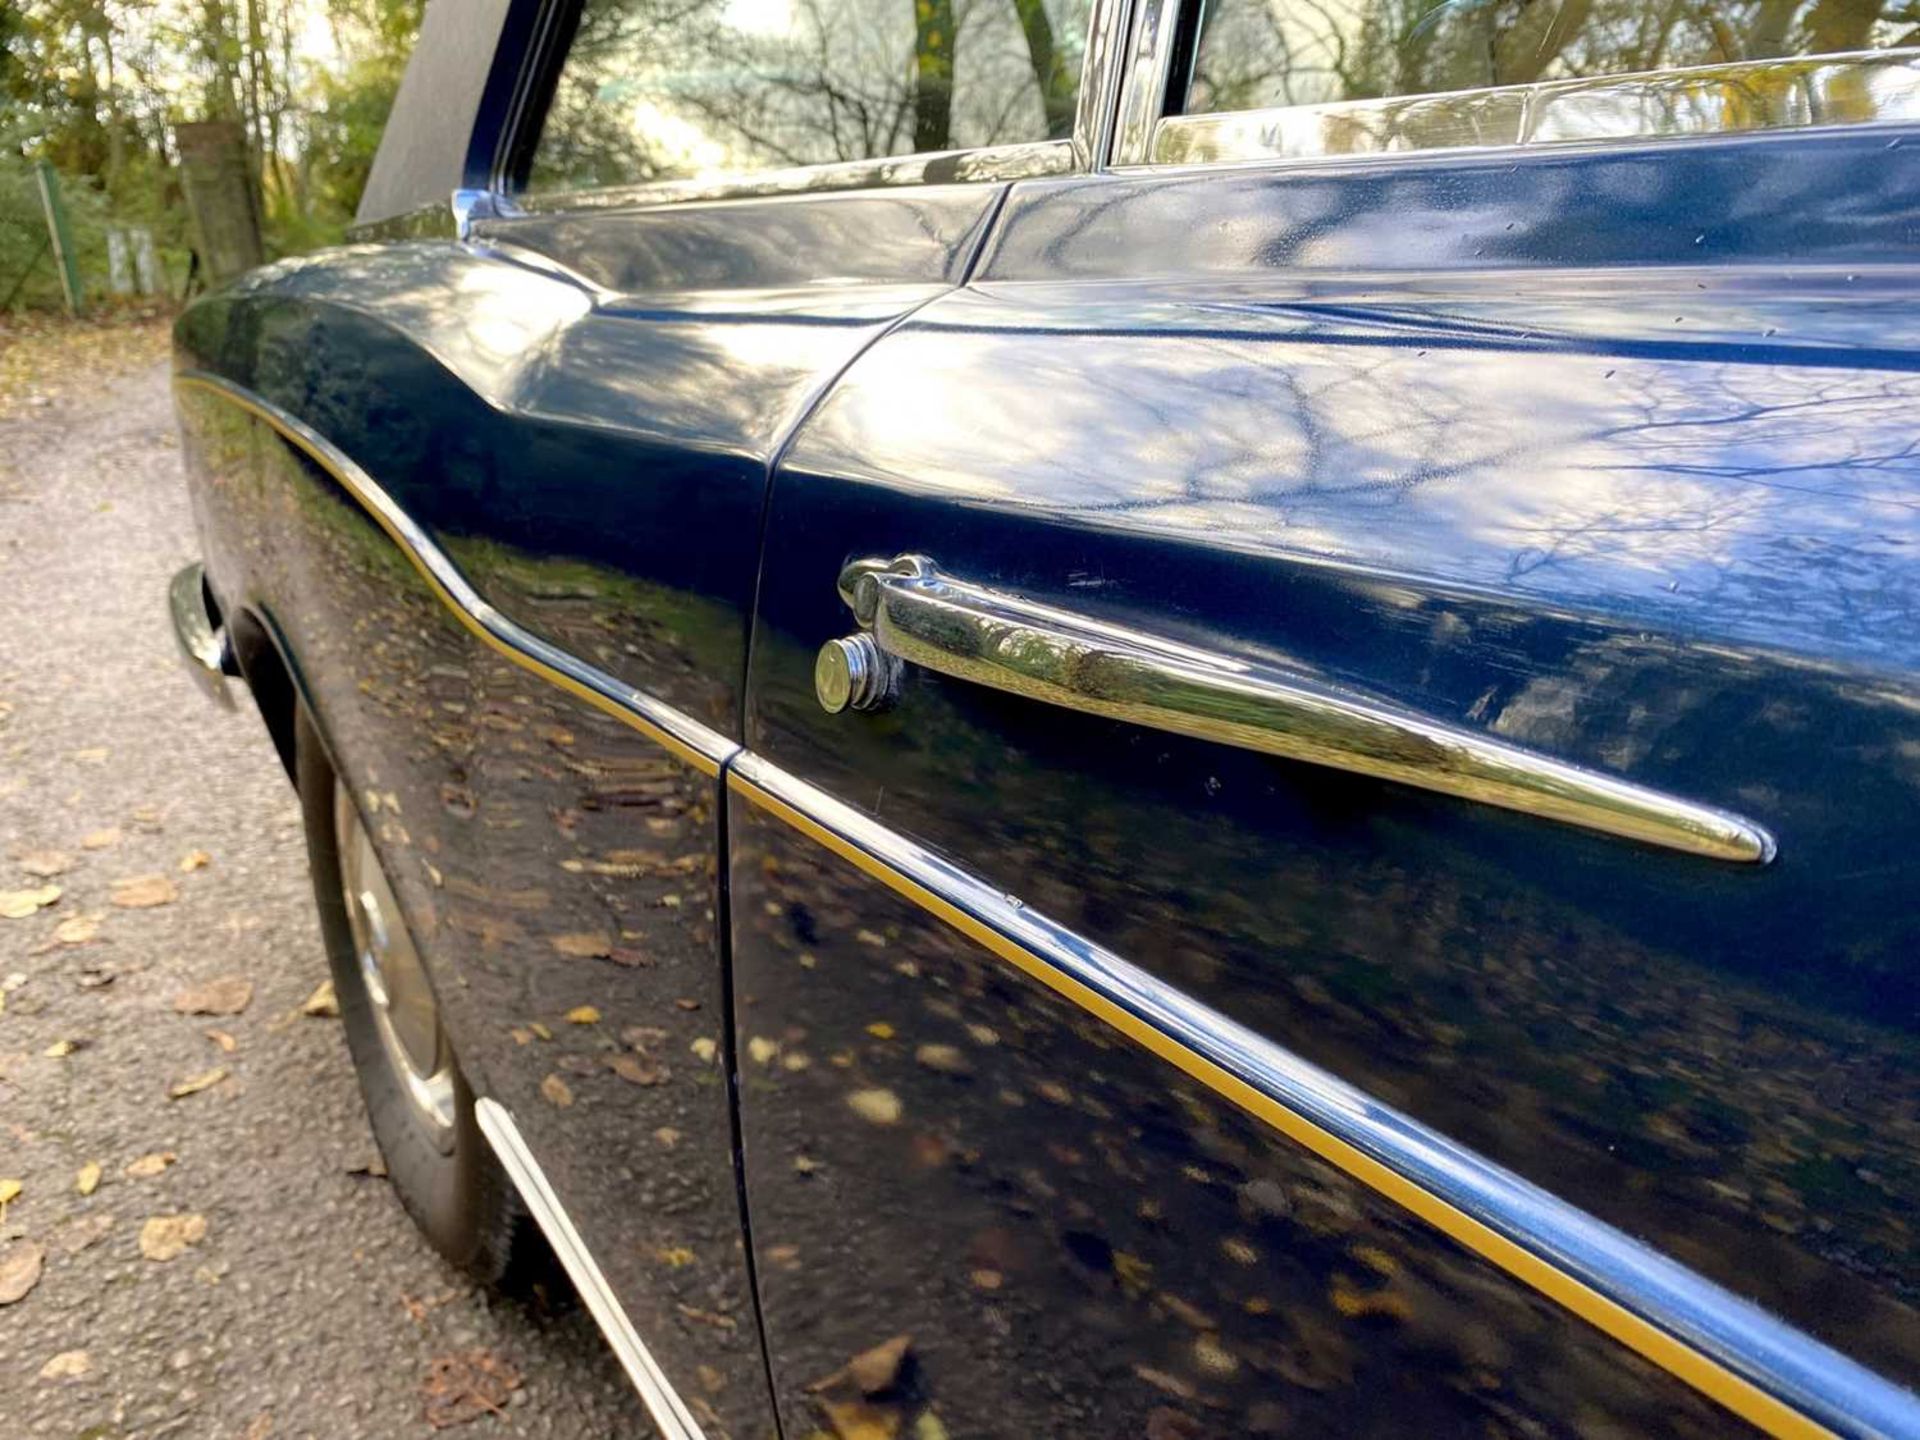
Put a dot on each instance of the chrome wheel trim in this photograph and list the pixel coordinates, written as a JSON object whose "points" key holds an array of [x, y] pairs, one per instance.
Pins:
{"points": [[405, 1013]]}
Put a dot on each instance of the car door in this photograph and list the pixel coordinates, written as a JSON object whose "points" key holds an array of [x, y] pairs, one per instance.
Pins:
{"points": [[1322, 842], [485, 489]]}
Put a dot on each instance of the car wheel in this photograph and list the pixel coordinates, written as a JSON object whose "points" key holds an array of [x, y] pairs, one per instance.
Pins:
{"points": [[417, 1099]]}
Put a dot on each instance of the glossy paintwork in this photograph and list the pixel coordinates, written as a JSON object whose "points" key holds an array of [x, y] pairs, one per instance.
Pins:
{"points": [[591, 450], [1609, 454], [547, 857], [1078, 1240]]}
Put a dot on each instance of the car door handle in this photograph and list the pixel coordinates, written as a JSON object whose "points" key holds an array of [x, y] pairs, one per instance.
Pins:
{"points": [[910, 612]]}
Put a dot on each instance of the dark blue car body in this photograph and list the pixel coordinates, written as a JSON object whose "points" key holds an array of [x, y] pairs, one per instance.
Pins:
{"points": [[1146, 1084]]}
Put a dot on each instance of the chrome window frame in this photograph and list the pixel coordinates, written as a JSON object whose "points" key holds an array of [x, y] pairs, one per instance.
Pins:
{"points": [[1153, 132], [1085, 149]]}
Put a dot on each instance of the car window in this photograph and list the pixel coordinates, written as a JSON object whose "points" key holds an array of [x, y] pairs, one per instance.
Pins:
{"points": [[676, 89], [1274, 53]]}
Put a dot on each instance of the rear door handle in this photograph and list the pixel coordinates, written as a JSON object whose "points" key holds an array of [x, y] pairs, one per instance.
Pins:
{"points": [[910, 612]]}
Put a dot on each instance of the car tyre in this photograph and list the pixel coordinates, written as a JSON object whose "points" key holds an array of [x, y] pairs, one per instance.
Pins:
{"points": [[421, 1112]]}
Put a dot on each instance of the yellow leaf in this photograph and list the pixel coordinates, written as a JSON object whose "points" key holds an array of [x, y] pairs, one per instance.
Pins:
{"points": [[60, 1049], [556, 1091], [88, 1180], [583, 1015], [585, 945], [19, 904], [542, 1031], [704, 1050], [77, 929], [322, 1004], [9, 1191], [225, 1041], [67, 1365], [194, 860], [194, 1084], [101, 839], [674, 1257], [147, 1166], [880, 1030], [880, 1107], [165, 1237], [762, 1049], [143, 892]]}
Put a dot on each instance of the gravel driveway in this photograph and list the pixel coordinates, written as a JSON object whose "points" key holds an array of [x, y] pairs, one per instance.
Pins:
{"points": [[297, 1299]]}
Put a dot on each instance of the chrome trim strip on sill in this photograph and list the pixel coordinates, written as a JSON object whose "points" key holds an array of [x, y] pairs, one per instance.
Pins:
{"points": [[1863, 87], [670, 1413], [915, 613], [1763, 1370], [703, 748]]}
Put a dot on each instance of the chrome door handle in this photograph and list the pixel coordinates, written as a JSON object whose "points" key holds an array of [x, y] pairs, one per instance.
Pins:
{"points": [[910, 612]]}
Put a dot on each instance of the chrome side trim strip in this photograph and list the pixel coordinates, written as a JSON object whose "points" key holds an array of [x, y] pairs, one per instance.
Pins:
{"points": [[1763, 1370], [670, 1413], [701, 747], [918, 614], [948, 167], [1865, 87]]}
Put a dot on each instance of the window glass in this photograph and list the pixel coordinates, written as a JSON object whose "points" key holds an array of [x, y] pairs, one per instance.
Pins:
{"points": [[673, 89], [1254, 54]]}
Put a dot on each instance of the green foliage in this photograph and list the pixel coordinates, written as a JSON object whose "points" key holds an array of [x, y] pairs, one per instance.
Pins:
{"points": [[96, 86]]}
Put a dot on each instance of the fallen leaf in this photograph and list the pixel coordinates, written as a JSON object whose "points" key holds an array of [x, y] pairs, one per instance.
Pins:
{"points": [[857, 1420], [583, 1015], [667, 1136], [45, 864], [704, 1049], [947, 1059], [167, 1237], [143, 892], [226, 995], [60, 1049], [674, 1257], [67, 1365], [77, 929], [19, 904], [88, 1180], [9, 1191], [194, 860], [639, 1069], [761, 1049], [464, 1386], [322, 1004], [880, 1030], [225, 1041], [147, 1166], [880, 1107], [194, 1084], [20, 1267], [100, 839], [92, 755], [586, 945], [877, 1369], [929, 1427], [77, 1235], [556, 1091]]}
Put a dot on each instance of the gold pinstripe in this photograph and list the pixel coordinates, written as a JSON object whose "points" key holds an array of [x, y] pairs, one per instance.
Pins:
{"points": [[1667, 1351]]}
